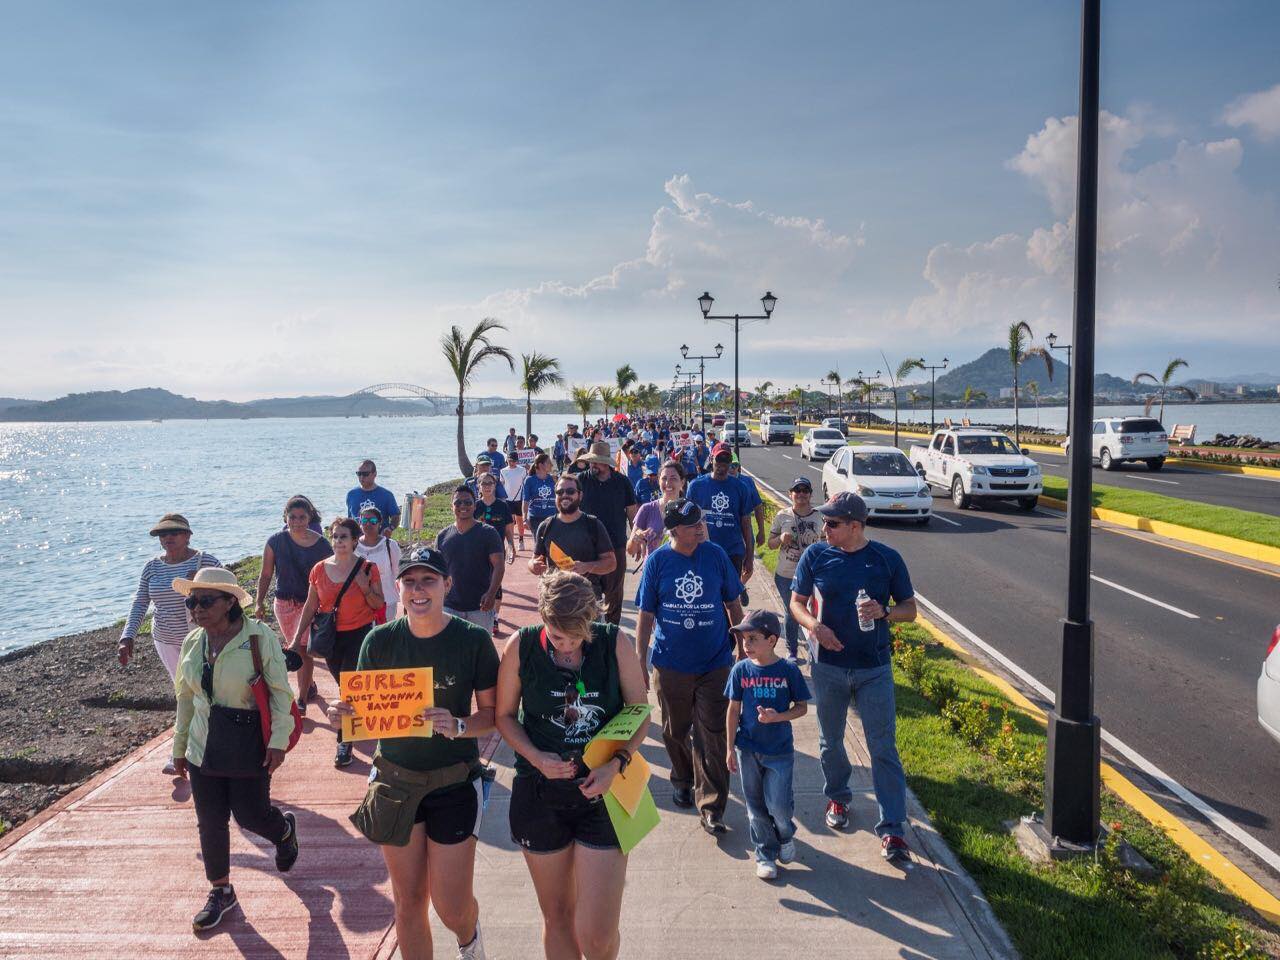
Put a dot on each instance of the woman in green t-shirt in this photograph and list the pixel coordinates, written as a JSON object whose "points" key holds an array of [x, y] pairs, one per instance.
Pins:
{"points": [[560, 682]]}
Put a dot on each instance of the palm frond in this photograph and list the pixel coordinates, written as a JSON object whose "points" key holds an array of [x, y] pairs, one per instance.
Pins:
{"points": [[1139, 377], [1174, 365]]}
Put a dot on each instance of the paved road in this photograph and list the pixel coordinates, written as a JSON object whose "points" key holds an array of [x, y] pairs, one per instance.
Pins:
{"points": [[1260, 494], [1180, 638]]}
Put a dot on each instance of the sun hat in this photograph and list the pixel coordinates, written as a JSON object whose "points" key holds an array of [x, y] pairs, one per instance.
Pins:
{"points": [[171, 521], [681, 513], [425, 558], [845, 506], [213, 578], [759, 621], [600, 453]]}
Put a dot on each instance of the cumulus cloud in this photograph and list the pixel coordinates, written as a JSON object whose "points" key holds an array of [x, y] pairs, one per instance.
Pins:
{"points": [[1260, 111]]}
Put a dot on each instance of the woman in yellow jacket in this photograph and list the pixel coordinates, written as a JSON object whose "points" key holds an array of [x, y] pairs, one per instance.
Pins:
{"points": [[218, 734]]}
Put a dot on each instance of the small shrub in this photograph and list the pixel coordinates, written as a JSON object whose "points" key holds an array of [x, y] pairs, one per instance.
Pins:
{"points": [[1237, 948], [909, 660], [971, 719], [1024, 766], [938, 688]]}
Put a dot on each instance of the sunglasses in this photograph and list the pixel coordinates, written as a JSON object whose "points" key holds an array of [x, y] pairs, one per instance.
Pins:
{"points": [[171, 533], [464, 503], [364, 473], [368, 520], [568, 492], [835, 523], [204, 603]]}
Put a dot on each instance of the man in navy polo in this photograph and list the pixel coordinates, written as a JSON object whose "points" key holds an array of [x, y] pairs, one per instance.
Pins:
{"points": [[852, 660]]}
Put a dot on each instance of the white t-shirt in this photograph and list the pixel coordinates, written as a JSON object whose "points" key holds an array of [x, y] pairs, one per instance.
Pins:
{"points": [[513, 481], [806, 530], [384, 555]]}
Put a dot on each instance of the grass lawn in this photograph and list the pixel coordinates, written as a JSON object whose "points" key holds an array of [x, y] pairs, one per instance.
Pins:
{"points": [[1227, 521]]}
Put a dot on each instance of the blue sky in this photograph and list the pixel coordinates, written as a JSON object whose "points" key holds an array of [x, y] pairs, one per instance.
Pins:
{"points": [[238, 200]]}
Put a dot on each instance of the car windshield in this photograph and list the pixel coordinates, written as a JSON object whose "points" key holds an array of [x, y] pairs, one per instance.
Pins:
{"points": [[781, 418], [987, 444], [827, 435], [733, 425], [1143, 425], [882, 465]]}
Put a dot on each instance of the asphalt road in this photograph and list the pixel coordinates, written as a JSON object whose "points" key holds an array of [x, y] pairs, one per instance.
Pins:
{"points": [[1259, 494], [1179, 638]]}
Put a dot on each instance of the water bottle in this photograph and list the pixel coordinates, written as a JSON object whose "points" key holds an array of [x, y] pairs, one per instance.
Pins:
{"points": [[865, 624]]}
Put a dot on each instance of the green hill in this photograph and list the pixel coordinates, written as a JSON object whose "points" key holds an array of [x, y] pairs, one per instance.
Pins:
{"points": [[992, 372]]}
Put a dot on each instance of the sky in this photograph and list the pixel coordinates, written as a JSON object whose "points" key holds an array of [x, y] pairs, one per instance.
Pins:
{"points": [[240, 200]]}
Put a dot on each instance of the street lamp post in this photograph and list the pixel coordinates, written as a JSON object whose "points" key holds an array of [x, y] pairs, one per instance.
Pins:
{"points": [[702, 381], [1052, 340], [1072, 763], [867, 387], [687, 390], [768, 302], [933, 369]]}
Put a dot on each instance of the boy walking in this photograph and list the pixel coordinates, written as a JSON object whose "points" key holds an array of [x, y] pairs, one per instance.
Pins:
{"points": [[765, 694]]}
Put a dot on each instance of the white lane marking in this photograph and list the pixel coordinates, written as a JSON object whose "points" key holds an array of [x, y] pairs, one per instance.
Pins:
{"points": [[1143, 476], [1250, 476], [787, 456], [815, 469], [954, 523], [1143, 596], [1219, 820]]}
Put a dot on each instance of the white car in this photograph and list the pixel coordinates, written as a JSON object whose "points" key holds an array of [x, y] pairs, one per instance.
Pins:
{"points": [[820, 443], [883, 477], [734, 429], [1269, 688], [975, 465]]}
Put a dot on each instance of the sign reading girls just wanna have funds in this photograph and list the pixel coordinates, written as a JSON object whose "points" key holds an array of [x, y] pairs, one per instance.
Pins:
{"points": [[387, 703]]}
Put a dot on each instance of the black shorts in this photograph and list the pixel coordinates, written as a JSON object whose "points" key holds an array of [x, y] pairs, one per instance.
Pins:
{"points": [[516, 508], [452, 815], [548, 815]]}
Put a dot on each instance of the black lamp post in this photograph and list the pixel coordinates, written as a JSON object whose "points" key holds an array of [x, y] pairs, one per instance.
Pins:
{"points": [[867, 387], [933, 369], [1052, 340], [687, 390], [1071, 779], [768, 302], [702, 381]]}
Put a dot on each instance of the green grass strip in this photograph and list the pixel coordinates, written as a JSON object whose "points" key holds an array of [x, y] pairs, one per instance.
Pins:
{"points": [[1227, 521]]}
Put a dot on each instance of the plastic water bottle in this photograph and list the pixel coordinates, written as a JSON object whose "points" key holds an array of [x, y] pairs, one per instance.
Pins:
{"points": [[865, 624]]}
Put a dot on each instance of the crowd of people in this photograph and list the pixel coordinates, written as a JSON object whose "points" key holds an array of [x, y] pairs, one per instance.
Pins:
{"points": [[352, 595]]}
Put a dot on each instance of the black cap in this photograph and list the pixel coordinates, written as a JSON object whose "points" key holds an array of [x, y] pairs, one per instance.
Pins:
{"points": [[681, 513], [801, 482], [845, 506], [426, 558], [760, 621]]}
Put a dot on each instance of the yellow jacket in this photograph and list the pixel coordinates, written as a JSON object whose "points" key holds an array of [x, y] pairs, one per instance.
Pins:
{"points": [[232, 672]]}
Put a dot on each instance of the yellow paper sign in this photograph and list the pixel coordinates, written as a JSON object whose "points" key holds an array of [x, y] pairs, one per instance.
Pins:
{"points": [[559, 557], [387, 703], [628, 788]]}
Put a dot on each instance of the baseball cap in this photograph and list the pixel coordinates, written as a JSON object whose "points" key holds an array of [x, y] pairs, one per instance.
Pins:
{"points": [[801, 482], [760, 621], [484, 458], [652, 464], [426, 558], [681, 513], [720, 448], [845, 506]]}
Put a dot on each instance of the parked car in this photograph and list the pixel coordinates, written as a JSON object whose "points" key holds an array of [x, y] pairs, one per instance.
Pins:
{"points": [[820, 443], [835, 423], [1118, 440], [718, 420], [976, 464], [1269, 688], [777, 427], [737, 430], [883, 477]]}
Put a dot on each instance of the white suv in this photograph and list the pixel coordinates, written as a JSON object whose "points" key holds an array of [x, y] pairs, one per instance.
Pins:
{"points": [[1120, 439], [820, 443]]}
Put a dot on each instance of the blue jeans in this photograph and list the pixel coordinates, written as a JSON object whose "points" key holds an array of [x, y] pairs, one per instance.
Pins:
{"points": [[766, 785], [871, 691], [790, 629]]}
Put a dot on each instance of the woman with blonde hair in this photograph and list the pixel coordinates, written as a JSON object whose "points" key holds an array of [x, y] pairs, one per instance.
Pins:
{"points": [[559, 683]]}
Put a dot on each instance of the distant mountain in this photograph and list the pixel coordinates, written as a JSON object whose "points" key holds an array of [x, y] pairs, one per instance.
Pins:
{"points": [[992, 372], [7, 402], [1252, 379]]}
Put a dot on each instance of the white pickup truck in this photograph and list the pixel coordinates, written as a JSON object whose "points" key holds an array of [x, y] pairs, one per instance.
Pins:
{"points": [[977, 464]]}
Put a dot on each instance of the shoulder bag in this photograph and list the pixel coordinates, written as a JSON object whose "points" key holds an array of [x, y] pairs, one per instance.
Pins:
{"points": [[324, 626], [262, 696]]}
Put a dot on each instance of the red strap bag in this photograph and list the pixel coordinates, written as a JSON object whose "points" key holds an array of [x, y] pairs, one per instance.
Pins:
{"points": [[262, 696]]}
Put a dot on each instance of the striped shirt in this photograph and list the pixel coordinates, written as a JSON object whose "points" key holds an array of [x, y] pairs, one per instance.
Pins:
{"points": [[171, 623]]}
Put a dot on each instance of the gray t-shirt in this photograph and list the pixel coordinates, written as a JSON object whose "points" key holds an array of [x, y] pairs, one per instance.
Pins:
{"points": [[470, 568]]}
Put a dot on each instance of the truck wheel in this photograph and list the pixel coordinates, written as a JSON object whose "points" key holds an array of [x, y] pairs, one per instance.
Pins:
{"points": [[1155, 463], [1027, 504], [1105, 461], [958, 496]]}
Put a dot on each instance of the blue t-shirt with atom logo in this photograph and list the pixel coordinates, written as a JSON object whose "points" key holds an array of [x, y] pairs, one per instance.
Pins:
{"points": [[686, 596], [724, 503]]}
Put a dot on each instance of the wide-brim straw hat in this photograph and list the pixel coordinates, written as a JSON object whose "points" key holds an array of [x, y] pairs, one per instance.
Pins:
{"points": [[600, 453], [213, 578], [171, 521]]}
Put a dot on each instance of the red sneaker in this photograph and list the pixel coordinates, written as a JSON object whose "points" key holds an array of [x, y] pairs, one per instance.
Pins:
{"points": [[837, 815]]}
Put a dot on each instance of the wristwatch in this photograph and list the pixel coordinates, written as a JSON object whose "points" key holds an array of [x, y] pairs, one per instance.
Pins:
{"points": [[459, 727]]}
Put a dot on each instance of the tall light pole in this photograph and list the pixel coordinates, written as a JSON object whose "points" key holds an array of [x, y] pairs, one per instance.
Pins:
{"points": [[1052, 340], [933, 369], [1072, 762], [768, 302], [867, 387], [702, 379], [687, 389]]}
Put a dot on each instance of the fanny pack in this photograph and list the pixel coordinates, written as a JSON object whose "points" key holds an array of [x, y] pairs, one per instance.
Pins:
{"points": [[387, 813]]}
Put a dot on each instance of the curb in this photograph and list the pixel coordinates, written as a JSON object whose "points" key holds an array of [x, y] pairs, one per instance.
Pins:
{"points": [[1240, 469]]}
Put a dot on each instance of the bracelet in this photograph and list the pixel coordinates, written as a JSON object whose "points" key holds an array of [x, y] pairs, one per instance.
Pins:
{"points": [[623, 756]]}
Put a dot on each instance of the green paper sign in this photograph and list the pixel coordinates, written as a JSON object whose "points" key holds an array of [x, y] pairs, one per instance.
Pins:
{"points": [[625, 723], [631, 830]]}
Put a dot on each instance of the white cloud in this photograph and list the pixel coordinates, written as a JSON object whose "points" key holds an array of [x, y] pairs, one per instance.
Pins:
{"points": [[1260, 110]]}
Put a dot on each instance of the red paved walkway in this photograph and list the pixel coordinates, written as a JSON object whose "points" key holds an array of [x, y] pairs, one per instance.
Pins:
{"points": [[113, 870]]}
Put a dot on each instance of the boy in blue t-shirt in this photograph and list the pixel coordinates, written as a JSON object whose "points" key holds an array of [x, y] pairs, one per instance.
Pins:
{"points": [[763, 751]]}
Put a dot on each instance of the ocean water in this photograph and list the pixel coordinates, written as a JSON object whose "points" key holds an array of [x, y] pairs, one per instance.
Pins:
{"points": [[77, 499]]}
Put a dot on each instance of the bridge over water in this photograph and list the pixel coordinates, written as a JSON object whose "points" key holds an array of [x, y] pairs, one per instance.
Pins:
{"points": [[438, 402]]}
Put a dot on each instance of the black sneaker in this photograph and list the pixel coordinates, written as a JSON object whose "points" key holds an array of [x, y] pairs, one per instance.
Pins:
{"points": [[682, 797], [712, 823], [287, 849], [221, 899], [895, 850], [343, 757]]}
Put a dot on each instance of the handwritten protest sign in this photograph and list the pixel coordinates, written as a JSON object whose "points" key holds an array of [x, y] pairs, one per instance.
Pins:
{"points": [[632, 829], [559, 557], [526, 456], [629, 788], [387, 703], [682, 438]]}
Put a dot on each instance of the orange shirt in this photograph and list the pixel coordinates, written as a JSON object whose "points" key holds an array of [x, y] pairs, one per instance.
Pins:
{"points": [[355, 610]]}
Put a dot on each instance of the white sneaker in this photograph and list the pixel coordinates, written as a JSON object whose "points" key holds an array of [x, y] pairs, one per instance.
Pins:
{"points": [[473, 950], [766, 870], [169, 769], [787, 852]]}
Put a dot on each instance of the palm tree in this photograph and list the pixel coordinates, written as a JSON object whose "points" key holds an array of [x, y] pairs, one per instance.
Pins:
{"points": [[1020, 349], [539, 372], [895, 379], [762, 394], [970, 395], [465, 353], [796, 395], [625, 376], [610, 398], [584, 398], [648, 397], [1033, 388], [915, 396], [833, 377], [1163, 385], [861, 390]]}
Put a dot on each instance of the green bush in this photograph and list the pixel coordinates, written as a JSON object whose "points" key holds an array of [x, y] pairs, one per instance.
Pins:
{"points": [[971, 719]]}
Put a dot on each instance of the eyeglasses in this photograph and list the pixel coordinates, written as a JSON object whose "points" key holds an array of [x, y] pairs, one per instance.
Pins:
{"points": [[367, 520], [567, 492], [204, 603], [834, 523], [464, 503], [171, 533], [364, 473]]}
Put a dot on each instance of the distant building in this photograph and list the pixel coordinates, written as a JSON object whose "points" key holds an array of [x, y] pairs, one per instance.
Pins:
{"points": [[1006, 393], [1242, 390], [1208, 388]]}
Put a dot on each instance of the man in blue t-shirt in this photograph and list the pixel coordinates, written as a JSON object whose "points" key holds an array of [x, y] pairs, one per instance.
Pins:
{"points": [[684, 591], [724, 501], [368, 493], [496, 459], [852, 663]]}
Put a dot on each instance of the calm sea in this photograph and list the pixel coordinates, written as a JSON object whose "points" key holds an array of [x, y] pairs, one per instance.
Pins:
{"points": [[1259, 419], [77, 500]]}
